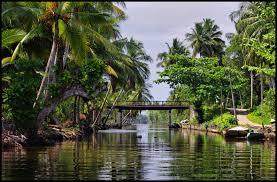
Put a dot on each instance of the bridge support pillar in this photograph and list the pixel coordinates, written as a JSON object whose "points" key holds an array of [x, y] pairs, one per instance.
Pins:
{"points": [[120, 118], [169, 118]]}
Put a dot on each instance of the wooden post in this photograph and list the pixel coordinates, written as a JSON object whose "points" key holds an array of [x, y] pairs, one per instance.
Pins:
{"points": [[169, 117], [120, 119]]}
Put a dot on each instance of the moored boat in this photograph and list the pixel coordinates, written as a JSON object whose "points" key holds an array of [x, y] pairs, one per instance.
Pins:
{"points": [[255, 136], [237, 131]]}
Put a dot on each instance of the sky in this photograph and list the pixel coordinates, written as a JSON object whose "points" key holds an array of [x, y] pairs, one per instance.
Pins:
{"points": [[155, 23]]}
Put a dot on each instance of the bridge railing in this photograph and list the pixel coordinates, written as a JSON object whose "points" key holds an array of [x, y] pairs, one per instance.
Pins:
{"points": [[153, 103]]}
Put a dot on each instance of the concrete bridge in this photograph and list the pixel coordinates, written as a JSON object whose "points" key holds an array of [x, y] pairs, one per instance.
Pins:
{"points": [[150, 105]]}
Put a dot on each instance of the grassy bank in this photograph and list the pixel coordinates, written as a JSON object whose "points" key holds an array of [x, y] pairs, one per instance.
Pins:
{"points": [[221, 122], [258, 118]]}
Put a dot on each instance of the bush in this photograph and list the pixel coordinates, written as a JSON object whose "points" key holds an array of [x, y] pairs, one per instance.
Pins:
{"points": [[263, 113], [21, 94], [224, 121]]}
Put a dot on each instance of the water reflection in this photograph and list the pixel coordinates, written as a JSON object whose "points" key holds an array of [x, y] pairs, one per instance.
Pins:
{"points": [[159, 154]]}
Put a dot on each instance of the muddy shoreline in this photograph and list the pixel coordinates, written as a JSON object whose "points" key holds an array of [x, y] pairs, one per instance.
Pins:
{"points": [[50, 136]]}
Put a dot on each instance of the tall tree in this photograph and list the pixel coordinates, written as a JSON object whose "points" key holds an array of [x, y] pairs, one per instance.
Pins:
{"points": [[205, 39], [177, 47]]}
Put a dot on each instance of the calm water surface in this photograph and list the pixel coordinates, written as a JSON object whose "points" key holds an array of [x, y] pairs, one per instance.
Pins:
{"points": [[160, 154]]}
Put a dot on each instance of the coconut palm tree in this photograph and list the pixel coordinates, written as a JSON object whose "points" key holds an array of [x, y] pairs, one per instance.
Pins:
{"points": [[73, 24], [205, 39], [253, 20], [176, 48], [131, 65]]}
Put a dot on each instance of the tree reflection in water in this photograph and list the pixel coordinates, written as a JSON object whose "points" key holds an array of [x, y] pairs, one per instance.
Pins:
{"points": [[160, 154]]}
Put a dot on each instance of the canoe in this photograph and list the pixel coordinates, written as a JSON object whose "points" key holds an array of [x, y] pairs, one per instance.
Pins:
{"points": [[255, 135], [237, 131]]}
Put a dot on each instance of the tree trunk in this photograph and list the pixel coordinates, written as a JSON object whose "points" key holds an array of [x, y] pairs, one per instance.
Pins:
{"points": [[262, 88], [233, 100], [74, 91], [221, 104], [74, 111], [78, 109], [251, 96], [273, 82], [112, 106], [66, 51], [227, 99], [103, 103], [49, 62]]}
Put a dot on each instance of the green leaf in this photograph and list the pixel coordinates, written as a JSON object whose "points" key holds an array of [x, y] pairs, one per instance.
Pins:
{"points": [[12, 36], [42, 73], [20, 43], [111, 71], [6, 61]]}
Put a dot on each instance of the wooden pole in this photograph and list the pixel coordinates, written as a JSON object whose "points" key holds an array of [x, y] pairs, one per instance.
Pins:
{"points": [[169, 117], [120, 119]]}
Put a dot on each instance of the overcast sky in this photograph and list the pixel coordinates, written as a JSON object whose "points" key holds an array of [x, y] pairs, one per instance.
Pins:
{"points": [[155, 23]]}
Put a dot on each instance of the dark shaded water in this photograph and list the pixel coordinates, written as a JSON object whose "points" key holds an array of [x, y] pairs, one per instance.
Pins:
{"points": [[160, 154]]}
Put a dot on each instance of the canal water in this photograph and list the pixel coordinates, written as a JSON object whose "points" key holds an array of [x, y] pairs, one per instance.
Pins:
{"points": [[144, 152]]}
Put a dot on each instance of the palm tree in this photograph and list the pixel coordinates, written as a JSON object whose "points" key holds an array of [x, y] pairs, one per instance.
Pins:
{"points": [[254, 20], [73, 23], [205, 39], [131, 64], [76, 28], [176, 48]]}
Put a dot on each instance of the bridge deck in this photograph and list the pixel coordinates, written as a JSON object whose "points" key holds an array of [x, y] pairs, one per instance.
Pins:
{"points": [[154, 105], [149, 107]]}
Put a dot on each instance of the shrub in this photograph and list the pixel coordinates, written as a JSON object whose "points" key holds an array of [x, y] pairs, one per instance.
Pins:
{"points": [[224, 121], [266, 111], [21, 94]]}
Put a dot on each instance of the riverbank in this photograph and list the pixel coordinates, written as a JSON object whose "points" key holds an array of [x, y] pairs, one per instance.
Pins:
{"points": [[53, 134], [268, 130], [201, 128]]}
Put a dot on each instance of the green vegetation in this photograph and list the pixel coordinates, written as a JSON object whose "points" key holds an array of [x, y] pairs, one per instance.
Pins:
{"points": [[266, 111], [221, 122], [216, 76], [61, 60]]}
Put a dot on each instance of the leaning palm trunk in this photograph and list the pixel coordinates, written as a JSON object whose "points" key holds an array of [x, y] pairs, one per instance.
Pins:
{"points": [[125, 118], [51, 59], [73, 91], [102, 106], [112, 107]]}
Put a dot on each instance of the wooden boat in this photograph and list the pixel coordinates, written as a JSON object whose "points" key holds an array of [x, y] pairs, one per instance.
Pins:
{"points": [[237, 131], [174, 125]]}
